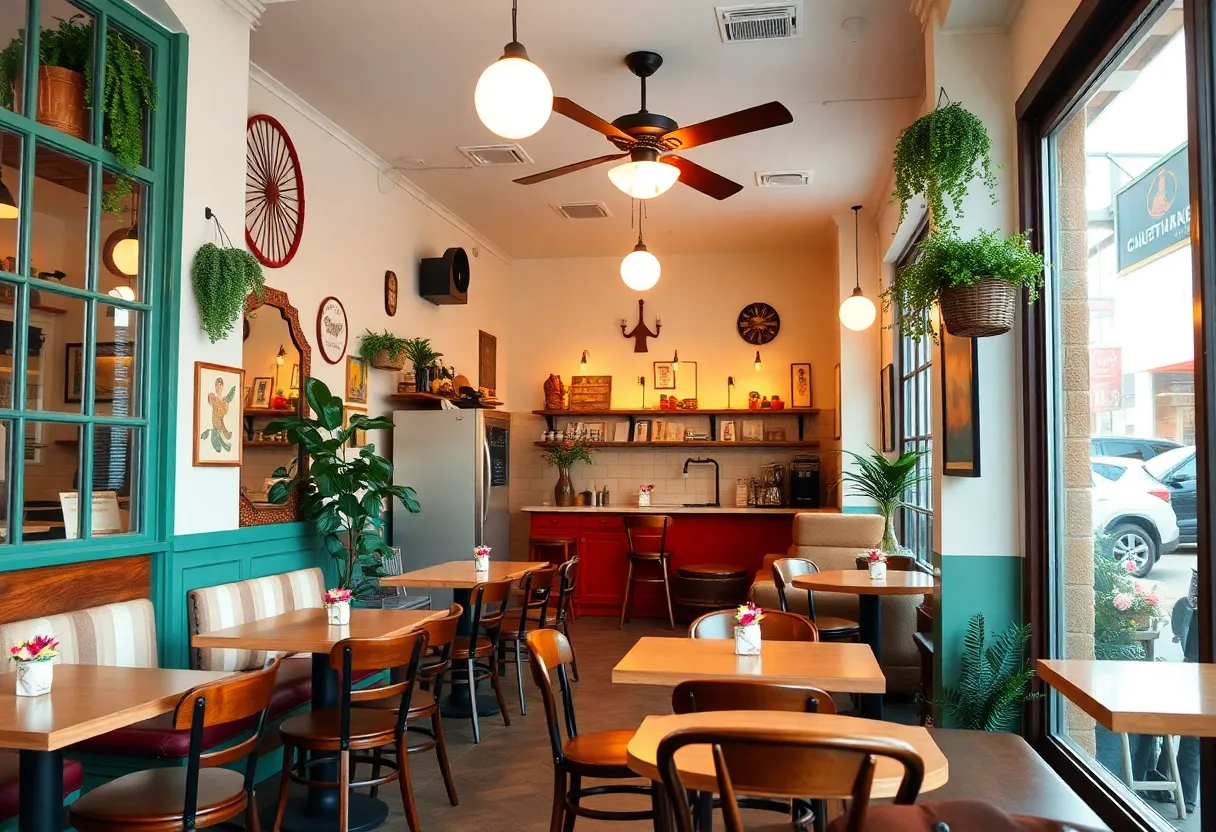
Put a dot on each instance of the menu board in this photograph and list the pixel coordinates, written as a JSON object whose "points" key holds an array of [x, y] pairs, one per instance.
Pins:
{"points": [[106, 516], [591, 393]]}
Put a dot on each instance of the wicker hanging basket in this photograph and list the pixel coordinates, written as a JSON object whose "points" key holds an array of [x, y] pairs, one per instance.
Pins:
{"points": [[383, 362], [980, 311]]}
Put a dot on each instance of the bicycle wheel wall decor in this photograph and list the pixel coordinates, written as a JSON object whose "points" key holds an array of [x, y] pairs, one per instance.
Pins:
{"points": [[274, 192]]}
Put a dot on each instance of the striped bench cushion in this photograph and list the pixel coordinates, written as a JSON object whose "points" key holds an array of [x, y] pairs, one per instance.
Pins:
{"points": [[117, 635], [227, 605]]}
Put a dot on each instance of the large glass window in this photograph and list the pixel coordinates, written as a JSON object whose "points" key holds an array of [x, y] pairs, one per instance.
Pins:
{"points": [[914, 357]]}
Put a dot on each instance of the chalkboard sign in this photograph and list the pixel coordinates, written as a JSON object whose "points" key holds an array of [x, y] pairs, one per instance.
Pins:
{"points": [[591, 393], [497, 438]]}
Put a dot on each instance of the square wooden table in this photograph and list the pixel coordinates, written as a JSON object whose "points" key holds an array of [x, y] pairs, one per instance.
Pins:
{"points": [[841, 667], [309, 631], [85, 701]]}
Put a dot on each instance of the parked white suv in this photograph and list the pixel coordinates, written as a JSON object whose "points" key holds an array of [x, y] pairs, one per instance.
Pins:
{"points": [[1142, 524]]}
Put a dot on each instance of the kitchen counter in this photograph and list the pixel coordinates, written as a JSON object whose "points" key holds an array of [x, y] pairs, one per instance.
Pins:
{"points": [[672, 509]]}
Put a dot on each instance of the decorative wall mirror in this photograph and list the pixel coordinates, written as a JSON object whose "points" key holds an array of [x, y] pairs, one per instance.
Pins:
{"points": [[277, 359]]}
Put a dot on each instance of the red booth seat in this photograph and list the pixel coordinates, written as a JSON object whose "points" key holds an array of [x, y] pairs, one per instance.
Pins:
{"points": [[10, 788]]}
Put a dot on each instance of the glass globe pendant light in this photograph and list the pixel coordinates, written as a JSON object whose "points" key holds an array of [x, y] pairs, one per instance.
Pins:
{"points": [[644, 176], [640, 269], [513, 97], [858, 311]]}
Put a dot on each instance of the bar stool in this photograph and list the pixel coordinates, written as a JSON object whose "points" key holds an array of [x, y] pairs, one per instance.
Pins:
{"points": [[567, 545], [647, 547]]}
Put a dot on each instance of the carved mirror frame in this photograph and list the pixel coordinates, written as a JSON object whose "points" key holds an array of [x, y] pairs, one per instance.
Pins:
{"points": [[289, 512]]}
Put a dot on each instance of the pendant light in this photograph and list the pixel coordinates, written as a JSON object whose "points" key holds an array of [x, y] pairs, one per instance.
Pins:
{"points": [[513, 97], [125, 253], [857, 312], [757, 361], [582, 364], [640, 269], [675, 361]]}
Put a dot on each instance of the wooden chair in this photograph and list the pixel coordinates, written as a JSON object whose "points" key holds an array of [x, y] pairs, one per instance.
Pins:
{"points": [[600, 755], [767, 759], [776, 625], [536, 601], [830, 628], [565, 545], [202, 794], [647, 549], [344, 730], [489, 601]]}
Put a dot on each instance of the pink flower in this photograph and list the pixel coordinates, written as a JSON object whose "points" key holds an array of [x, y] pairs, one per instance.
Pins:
{"points": [[1153, 600], [337, 596], [875, 556], [38, 649], [1122, 602], [748, 614], [1129, 566], [482, 551]]}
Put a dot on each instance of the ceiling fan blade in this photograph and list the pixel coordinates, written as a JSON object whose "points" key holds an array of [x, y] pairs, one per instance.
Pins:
{"points": [[703, 179], [751, 120], [588, 119], [556, 172]]}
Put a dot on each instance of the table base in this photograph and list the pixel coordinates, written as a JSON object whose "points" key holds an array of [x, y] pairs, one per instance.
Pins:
{"points": [[870, 626], [456, 706], [365, 813], [41, 777]]}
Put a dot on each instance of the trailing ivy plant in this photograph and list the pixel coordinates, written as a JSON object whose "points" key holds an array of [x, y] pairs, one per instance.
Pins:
{"points": [[223, 278], [992, 680], [372, 344], [938, 155]]}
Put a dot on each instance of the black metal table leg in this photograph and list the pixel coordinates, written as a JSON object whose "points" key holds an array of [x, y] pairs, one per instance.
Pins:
{"points": [[456, 705], [41, 777], [871, 634]]}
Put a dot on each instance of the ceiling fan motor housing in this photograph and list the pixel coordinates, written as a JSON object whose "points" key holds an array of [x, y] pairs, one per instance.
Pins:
{"points": [[445, 280]]}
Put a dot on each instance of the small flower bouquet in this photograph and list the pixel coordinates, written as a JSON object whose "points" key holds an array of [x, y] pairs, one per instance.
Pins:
{"points": [[337, 606], [34, 668], [644, 495], [1141, 605], [481, 558], [877, 563], [747, 629]]}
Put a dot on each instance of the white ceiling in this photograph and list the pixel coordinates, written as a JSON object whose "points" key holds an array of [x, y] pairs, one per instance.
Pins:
{"points": [[399, 76]]}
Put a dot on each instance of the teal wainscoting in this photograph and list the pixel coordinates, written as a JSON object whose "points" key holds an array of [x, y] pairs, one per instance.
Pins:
{"points": [[991, 584], [859, 510]]}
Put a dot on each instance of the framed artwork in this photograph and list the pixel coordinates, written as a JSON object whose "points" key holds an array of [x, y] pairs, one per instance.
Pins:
{"points": [[753, 430], [595, 431], [726, 432], [886, 386], [263, 389], [358, 439], [333, 330], [217, 414], [836, 417], [113, 367], [664, 375], [641, 430], [960, 407], [487, 362], [800, 385], [295, 376], [248, 394], [390, 293], [356, 379]]}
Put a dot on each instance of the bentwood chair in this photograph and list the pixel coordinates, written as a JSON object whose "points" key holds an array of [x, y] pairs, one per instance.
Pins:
{"points": [[600, 755], [345, 731], [489, 602], [202, 794], [536, 600], [647, 538], [830, 628], [776, 625], [771, 759]]}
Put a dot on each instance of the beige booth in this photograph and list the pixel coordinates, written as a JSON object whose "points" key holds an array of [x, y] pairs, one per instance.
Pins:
{"points": [[833, 541]]}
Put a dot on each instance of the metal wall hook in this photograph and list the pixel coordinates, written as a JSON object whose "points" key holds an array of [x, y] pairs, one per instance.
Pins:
{"points": [[941, 94]]}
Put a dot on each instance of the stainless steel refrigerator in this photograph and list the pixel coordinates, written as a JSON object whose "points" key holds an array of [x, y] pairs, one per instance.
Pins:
{"points": [[458, 462]]}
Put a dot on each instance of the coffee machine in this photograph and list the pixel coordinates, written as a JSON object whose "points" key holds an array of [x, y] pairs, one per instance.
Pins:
{"points": [[804, 481]]}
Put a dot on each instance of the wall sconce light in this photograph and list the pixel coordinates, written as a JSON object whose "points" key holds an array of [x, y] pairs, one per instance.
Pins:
{"points": [[642, 382], [757, 361], [675, 361], [278, 359], [582, 364], [730, 382]]}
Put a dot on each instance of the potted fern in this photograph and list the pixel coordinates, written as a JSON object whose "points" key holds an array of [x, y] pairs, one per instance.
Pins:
{"points": [[993, 680], [886, 482], [421, 356], [384, 351]]}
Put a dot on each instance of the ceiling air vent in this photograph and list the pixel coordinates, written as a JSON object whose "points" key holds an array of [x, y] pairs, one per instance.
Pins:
{"points": [[488, 155], [760, 21], [583, 210], [783, 178]]}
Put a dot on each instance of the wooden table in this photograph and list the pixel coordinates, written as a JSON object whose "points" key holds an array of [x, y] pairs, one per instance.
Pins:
{"points": [[869, 593], [309, 631], [834, 666], [85, 701]]}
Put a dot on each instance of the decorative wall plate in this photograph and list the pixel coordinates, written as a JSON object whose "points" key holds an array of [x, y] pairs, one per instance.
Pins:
{"points": [[758, 323], [274, 192], [390, 293], [332, 330]]}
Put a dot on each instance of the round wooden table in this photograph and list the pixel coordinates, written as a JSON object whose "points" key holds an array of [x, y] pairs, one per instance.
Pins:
{"points": [[868, 591]]}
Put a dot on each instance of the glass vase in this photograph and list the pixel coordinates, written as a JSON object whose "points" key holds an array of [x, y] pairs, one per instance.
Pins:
{"points": [[563, 492], [889, 545]]}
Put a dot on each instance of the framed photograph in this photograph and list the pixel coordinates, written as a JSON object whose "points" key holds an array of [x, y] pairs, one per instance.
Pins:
{"points": [[596, 431], [295, 376], [886, 386], [356, 379], [217, 414], [664, 376], [487, 362], [358, 439], [332, 330], [960, 407], [245, 399], [800, 386], [390, 293], [836, 398], [263, 390], [113, 366], [726, 432], [753, 430], [641, 430]]}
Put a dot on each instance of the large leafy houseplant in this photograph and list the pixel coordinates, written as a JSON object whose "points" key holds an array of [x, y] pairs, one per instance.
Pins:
{"points": [[993, 679], [346, 489], [886, 482]]}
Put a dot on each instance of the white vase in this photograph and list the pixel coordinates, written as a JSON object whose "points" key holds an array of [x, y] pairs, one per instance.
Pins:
{"points": [[747, 640], [878, 570], [34, 678], [339, 613], [643, 499], [481, 563]]}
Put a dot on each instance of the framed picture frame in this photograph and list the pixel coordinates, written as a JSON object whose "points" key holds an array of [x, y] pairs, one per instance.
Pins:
{"points": [[727, 432], [886, 387], [358, 439], [295, 377], [960, 376], [390, 293], [664, 375], [487, 362], [356, 379], [836, 423], [262, 391], [641, 430], [218, 412], [596, 431], [110, 357], [753, 430], [801, 392]]}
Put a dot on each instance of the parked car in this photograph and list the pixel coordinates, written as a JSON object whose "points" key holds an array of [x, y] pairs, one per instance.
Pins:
{"points": [[1129, 473], [1176, 471], [1131, 447], [1142, 527]]}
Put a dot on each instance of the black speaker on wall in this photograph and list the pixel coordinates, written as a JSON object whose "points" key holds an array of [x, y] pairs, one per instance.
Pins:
{"points": [[444, 280]]}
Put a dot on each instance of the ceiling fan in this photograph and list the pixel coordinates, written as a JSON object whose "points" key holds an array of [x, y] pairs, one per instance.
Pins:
{"points": [[650, 141]]}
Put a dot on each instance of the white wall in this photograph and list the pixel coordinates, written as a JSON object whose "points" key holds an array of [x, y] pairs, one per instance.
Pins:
{"points": [[1034, 30]]}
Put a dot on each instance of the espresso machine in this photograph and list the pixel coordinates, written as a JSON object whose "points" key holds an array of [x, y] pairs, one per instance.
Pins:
{"points": [[804, 481]]}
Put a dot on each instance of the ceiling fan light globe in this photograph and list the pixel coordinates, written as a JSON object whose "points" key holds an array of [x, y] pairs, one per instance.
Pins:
{"points": [[514, 98], [640, 269], [857, 312], [644, 180]]}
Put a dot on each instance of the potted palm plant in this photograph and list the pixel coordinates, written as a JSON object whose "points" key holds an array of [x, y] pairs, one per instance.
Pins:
{"points": [[421, 356], [886, 482]]}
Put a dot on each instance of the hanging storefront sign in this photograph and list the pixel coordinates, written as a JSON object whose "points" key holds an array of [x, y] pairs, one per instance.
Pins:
{"points": [[1153, 212], [1105, 378]]}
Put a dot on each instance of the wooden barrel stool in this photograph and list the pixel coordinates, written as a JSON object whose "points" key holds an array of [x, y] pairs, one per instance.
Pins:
{"points": [[567, 545], [705, 587]]}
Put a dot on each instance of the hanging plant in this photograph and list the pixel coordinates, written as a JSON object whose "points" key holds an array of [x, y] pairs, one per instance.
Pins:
{"points": [[223, 278], [385, 351], [938, 155]]}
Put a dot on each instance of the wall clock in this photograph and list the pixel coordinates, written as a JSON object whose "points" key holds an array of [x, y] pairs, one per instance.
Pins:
{"points": [[758, 323], [274, 192], [332, 329]]}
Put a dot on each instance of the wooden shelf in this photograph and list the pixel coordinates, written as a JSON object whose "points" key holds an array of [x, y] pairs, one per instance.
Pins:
{"points": [[734, 411], [431, 401], [50, 310], [266, 443], [67, 443], [795, 443], [267, 411]]}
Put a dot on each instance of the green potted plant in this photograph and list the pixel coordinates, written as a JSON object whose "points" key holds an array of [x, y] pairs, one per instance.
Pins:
{"points": [[384, 351], [421, 356], [886, 482], [346, 487], [65, 91], [975, 281], [223, 278], [562, 455], [993, 679]]}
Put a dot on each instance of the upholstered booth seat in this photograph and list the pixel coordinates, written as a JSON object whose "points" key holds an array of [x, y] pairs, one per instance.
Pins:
{"points": [[10, 788]]}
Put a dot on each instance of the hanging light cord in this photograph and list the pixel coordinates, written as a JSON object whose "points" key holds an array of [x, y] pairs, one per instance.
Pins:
{"points": [[514, 23], [857, 246]]}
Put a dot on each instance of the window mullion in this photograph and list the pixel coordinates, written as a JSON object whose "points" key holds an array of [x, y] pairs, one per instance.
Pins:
{"points": [[33, 32], [100, 28]]}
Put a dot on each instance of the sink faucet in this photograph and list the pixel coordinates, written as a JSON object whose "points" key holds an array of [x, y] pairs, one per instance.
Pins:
{"points": [[717, 474]]}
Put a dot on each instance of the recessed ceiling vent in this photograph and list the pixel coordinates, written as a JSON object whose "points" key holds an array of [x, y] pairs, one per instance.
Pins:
{"points": [[760, 21], [783, 178], [583, 210], [490, 155]]}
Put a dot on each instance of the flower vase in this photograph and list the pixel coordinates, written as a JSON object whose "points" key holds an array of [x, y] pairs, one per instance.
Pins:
{"points": [[889, 545], [747, 640], [643, 499], [878, 570], [339, 613], [481, 563], [34, 678], [563, 492]]}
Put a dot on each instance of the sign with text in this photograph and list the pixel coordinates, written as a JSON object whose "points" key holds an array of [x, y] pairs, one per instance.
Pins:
{"points": [[1153, 212], [1105, 378], [591, 392]]}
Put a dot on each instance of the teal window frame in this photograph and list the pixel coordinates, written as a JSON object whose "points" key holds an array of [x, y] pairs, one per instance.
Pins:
{"points": [[161, 238]]}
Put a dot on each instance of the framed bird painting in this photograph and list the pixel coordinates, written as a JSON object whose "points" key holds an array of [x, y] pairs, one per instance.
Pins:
{"points": [[218, 403]]}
